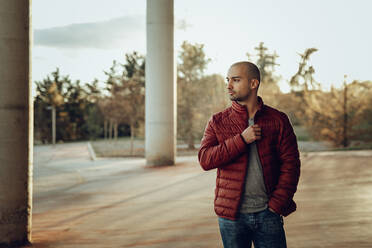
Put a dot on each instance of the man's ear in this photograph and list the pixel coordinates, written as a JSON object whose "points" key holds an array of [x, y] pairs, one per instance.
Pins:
{"points": [[254, 83]]}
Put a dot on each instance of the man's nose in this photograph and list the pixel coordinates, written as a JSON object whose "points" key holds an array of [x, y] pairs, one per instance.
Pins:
{"points": [[229, 85]]}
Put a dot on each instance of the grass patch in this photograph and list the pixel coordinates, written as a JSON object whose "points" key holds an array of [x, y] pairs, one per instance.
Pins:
{"points": [[301, 133], [122, 148]]}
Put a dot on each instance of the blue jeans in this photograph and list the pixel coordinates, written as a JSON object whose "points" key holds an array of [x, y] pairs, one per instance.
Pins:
{"points": [[264, 228]]}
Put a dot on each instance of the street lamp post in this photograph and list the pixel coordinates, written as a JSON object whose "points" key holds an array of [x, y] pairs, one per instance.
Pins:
{"points": [[53, 108]]}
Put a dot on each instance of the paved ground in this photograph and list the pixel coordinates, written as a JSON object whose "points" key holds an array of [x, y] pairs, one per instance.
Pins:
{"points": [[121, 147], [120, 203]]}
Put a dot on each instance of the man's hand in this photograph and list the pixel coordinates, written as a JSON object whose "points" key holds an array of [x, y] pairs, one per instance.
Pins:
{"points": [[251, 133]]}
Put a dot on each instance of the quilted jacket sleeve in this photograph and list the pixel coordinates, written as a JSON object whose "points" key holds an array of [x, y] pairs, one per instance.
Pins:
{"points": [[289, 170], [212, 154]]}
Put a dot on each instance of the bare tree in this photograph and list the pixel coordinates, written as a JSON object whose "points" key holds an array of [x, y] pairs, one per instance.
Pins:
{"points": [[303, 79]]}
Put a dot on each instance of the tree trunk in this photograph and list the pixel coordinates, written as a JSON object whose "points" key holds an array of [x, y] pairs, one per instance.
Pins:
{"points": [[345, 141], [190, 141], [131, 139], [105, 129], [116, 130], [110, 129], [53, 125]]}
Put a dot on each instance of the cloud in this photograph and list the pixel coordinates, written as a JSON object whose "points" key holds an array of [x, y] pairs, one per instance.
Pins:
{"points": [[118, 32], [183, 25]]}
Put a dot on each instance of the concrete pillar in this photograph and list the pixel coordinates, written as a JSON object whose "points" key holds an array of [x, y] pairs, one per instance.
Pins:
{"points": [[16, 122], [161, 90]]}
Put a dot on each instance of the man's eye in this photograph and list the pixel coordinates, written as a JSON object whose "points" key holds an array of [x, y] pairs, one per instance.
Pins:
{"points": [[236, 80]]}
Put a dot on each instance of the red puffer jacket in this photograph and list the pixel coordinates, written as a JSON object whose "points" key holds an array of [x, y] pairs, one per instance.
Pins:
{"points": [[222, 147]]}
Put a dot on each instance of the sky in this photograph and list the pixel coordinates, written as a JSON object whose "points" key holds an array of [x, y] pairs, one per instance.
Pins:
{"points": [[83, 37]]}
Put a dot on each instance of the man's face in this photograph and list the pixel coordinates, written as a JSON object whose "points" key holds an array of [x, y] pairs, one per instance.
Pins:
{"points": [[238, 83]]}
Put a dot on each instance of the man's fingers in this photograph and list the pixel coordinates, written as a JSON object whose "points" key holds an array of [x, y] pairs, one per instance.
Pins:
{"points": [[256, 131]]}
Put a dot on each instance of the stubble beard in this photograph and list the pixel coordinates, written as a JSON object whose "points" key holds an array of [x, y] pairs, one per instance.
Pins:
{"points": [[240, 98]]}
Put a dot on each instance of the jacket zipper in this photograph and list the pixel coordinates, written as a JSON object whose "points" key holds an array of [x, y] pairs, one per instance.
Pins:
{"points": [[259, 155]]}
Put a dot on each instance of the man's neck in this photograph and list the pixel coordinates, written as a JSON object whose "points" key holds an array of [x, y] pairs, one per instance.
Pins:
{"points": [[251, 104]]}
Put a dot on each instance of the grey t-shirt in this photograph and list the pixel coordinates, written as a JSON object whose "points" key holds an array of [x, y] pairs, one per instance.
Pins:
{"points": [[254, 196]]}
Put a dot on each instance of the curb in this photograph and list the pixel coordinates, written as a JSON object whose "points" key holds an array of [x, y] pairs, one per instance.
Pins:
{"points": [[91, 152]]}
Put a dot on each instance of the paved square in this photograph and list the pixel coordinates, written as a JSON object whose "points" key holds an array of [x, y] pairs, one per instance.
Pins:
{"points": [[121, 203]]}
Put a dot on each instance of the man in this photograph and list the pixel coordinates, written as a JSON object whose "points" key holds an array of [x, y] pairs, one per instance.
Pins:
{"points": [[254, 149]]}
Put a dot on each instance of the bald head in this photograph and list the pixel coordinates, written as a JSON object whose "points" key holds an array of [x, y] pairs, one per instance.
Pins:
{"points": [[251, 69]]}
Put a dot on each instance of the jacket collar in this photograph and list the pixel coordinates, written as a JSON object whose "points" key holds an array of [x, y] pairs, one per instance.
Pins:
{"points": [[242, 109]]}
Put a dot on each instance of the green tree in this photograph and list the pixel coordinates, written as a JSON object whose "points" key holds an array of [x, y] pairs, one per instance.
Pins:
{"points": [[75, 107], [214, 98], [190, 71], [50, 95], [125, 101], [93, 118], [106, 102], [131, 94], [77, 115]]}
